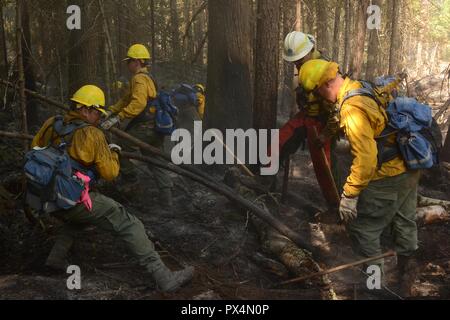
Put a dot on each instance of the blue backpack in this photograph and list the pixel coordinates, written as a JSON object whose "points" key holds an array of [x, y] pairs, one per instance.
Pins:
{"points": [[49, 171], [418, 140], [184, 95], [166, 113]]}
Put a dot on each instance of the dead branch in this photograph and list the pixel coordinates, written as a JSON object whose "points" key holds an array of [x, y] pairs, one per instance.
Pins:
{"points": [[340, 268]]}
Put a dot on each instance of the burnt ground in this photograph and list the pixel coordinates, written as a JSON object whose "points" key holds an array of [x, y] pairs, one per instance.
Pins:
{"points": [[204, 230]]}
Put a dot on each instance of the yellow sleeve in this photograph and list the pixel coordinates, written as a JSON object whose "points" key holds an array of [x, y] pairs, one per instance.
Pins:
{"points": [[142, 89], [122, 103], [90, 148], [201, 105], [361, 136], [42, 138]]}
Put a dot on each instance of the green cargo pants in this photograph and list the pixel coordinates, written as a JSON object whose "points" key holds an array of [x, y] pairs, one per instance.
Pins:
{"points": [[110, 216], [148, 135], [388, 203]]}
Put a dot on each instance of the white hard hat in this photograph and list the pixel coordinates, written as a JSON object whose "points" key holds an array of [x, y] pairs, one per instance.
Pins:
{"points": [[297, 45]]}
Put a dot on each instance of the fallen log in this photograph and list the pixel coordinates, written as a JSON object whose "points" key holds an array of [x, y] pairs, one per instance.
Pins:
{"points": [[293, 256], [432, 214], [427, 202], [213, 185]]}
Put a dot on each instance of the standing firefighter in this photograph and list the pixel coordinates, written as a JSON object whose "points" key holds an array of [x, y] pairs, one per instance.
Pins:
{"points": [[314, 114], [91, 159], [380, 192], [136, 106]]}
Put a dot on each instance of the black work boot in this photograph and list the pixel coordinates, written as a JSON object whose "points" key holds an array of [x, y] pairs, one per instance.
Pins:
{"points": [[168, 281], [408, 271]]}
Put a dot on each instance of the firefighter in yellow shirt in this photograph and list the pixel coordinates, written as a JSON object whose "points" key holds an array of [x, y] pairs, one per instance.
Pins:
{"points": [[89, 149], [378, 194], [133, 106]]}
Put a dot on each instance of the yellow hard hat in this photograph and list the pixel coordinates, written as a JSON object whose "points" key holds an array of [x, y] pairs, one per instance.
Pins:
{"points": [[90, 96], [297, 45], [200, 88], [315, 73], [138, 51]]}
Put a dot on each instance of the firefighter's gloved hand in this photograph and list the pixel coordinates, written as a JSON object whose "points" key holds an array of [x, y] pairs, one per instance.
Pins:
{"points": [[348, 208], [115, 147], [108, 115], [111, 122]]}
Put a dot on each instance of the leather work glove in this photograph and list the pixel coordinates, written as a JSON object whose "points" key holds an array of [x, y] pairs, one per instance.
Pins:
{"points": [[108, 115], [347, 208], [111, 122], [115, 148]]}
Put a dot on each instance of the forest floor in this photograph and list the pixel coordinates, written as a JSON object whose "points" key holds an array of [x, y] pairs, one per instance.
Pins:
{"points": [[204, 230]]}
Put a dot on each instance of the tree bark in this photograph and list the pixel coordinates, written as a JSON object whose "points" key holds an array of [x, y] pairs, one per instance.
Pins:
{"points": [[395, 39], [337, 23], [322, 26], [153, 24], [83, 60], [229, 102], [360, 39], [348, 23], [4, 50], [22, 96], [266, 65], [373, 50], [175, 30]]}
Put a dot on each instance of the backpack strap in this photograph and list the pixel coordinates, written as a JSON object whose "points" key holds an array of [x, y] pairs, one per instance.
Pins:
{"points": [[385, 153], [66, 131]]}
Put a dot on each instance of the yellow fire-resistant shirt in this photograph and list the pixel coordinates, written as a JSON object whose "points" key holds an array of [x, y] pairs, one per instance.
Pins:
{"points": [[89, 147], [363, 120], [201, 105], [134, 102]]}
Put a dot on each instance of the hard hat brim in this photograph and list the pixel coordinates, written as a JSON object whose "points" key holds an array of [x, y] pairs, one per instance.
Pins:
{"points": [[299, 56]]}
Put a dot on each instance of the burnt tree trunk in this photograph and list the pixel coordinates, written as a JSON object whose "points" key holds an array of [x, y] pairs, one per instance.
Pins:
{"points": [[373, 51], [83, 62], [395, 32], [337, 23], [229, 103], [266, 65], [357, 60], [21, 72], [175, 30], [347, 35], [4, 50]]}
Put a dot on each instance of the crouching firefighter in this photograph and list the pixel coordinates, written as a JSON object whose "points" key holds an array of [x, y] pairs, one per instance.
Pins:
{"points": [[315, 115], [136, 106], [390, 143], [69, 154]]}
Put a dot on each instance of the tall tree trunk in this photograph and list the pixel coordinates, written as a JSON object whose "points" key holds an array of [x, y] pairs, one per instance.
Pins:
{"points": [[373, 50], [337, 23], [266, 64], [21, 72], [83, 60], [4, 50], [395, 38], [360, 39], [229, 103], [322, 27], [123, 39], [30, 78], [153, 24], [291, 19], [175, 30], [347, 35]]}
